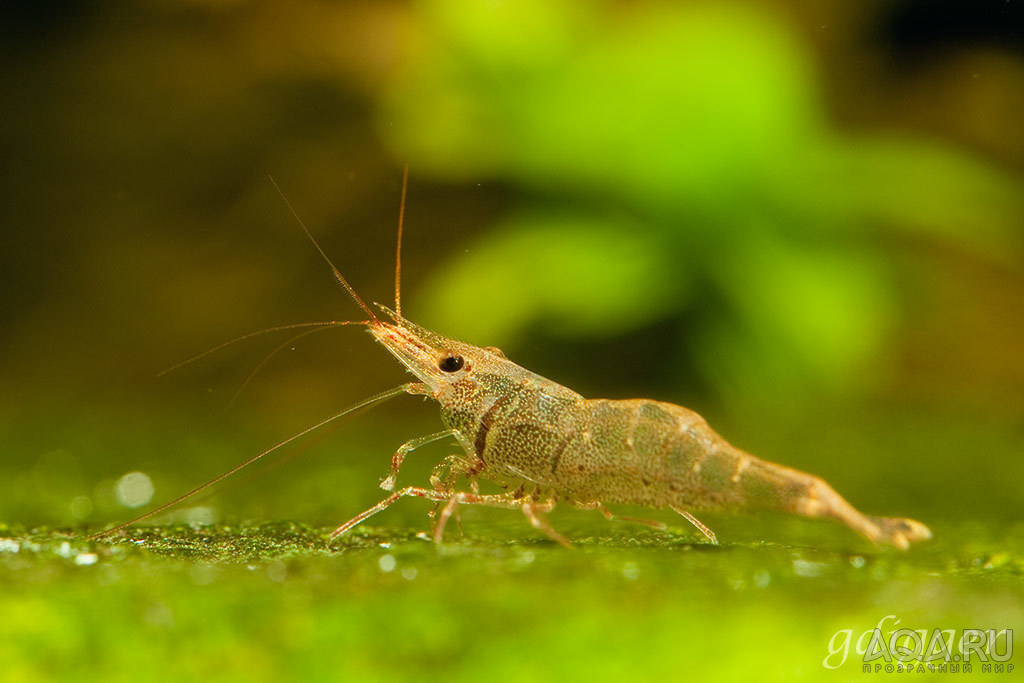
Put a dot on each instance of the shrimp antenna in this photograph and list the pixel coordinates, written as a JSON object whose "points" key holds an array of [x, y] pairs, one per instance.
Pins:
{"points": [[270, 356], [376, 398], [218, 347], [398, 250], [337, 273]]}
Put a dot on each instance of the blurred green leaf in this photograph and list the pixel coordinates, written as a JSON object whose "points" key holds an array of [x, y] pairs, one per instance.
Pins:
{"points": [[568, 273], [799, 315], [661, 105], [704, 122]]}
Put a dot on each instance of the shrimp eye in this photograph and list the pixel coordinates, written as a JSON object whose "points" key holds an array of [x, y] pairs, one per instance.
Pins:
{"points": [[451, 363]]}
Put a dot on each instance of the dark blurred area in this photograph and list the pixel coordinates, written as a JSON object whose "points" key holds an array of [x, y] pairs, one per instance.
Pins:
{"points": [[802, 219]]}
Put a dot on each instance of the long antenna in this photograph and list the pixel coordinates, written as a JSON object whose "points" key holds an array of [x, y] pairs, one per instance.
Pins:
{"points": [[398, 251], [376, 398], [204, 354], [266, 359], [337, 273]]}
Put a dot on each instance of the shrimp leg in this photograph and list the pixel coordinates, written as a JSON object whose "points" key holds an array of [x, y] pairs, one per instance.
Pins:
{"points": [[399, 457], [611, 516], [708, 533]]}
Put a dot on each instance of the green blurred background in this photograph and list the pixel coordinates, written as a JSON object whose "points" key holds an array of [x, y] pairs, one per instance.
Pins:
{"points": [[804, 220]]}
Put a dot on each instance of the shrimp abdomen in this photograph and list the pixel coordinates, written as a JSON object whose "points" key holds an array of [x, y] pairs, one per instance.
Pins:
{"points": [[647, 452]]}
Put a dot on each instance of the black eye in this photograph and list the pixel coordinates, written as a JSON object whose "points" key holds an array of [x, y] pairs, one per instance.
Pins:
{"points": [[451, 363]]}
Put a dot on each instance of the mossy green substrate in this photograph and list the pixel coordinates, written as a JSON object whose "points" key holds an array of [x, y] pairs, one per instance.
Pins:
{"points": [[272, 602]]}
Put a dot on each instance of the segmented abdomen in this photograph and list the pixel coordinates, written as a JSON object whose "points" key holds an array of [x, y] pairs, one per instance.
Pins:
{"points": [[652, 453], [637, 451], [646, 453]]}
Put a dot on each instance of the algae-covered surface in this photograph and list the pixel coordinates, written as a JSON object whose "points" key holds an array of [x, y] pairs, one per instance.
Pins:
{"points": [[271, 601]]}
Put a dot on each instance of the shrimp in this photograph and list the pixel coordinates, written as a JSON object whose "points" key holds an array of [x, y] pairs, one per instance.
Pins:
{"points": [[545, 444]]}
